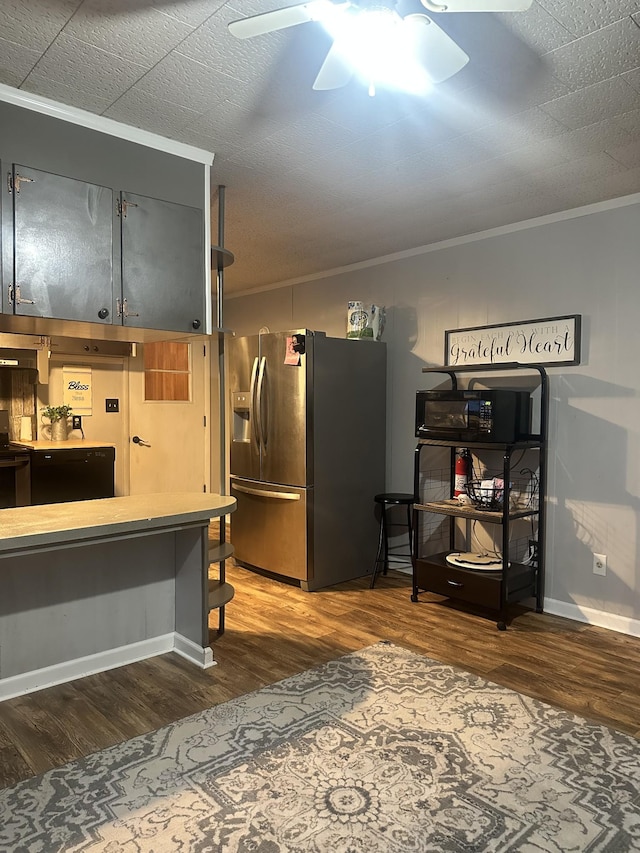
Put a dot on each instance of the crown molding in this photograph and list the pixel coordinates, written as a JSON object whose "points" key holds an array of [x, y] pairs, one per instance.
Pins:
{"points": [[537, 222]]}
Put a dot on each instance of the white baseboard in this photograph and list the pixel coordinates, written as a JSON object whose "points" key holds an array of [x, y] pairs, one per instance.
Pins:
{"points": [[202, 657], [60, 673], [600, 618]]}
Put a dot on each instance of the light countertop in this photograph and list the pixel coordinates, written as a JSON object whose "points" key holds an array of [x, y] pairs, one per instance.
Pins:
{"points": [[70, 444], [32, 527]]}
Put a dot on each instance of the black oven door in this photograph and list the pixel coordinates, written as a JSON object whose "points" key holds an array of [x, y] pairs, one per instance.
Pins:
{"points": [[15, 480]]}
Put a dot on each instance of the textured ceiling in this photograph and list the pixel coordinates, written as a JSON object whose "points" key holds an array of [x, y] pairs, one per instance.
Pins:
{"points": [[545, 117]]}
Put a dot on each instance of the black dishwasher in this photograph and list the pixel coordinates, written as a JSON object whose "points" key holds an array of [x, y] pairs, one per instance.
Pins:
{"points": [[76, 474]]}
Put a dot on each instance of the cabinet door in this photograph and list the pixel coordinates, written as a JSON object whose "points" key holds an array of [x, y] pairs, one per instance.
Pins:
{"points": [[62, 254], [162, 265]]}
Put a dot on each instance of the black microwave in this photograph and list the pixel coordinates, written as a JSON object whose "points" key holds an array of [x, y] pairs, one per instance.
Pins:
{"points": [[499, 415]]}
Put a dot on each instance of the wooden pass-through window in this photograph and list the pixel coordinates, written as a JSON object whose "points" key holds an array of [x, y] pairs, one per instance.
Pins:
{"points": [[167, 371]]}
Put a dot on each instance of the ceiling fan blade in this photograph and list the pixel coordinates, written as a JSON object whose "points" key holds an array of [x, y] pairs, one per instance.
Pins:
{"points": [[477, 5], [439, 55], [269, 22], [334, 72]]}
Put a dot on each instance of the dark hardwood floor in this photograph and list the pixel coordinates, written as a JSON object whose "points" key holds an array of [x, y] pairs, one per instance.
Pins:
{"points": [[274, 630]]}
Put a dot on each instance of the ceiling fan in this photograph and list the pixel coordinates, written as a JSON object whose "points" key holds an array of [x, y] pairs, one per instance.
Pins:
{"points": [[386, 41]]}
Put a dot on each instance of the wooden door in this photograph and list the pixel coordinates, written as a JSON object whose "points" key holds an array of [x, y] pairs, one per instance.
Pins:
{"points": [[169, 435]]}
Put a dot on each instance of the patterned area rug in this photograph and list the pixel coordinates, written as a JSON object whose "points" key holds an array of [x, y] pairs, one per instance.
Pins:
{"points": [[380, 751]]}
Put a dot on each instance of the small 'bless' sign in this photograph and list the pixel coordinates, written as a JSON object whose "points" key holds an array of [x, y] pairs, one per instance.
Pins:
{"points": [[77, 393], [552, 340]]}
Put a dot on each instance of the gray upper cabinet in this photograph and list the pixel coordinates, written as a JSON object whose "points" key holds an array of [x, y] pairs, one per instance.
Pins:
{"points": [[162, 264], [99, 229], [62, 247]]}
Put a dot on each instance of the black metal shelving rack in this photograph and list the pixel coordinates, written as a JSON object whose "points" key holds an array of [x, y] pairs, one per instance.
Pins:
{"points": [[513, 582]]}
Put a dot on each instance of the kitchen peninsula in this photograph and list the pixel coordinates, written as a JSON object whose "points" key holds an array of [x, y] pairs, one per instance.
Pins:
{"points": [[89, 585]]}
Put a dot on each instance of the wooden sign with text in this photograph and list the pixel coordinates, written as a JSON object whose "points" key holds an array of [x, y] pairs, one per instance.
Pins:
{"points": [[77, 383], [552, 340]]}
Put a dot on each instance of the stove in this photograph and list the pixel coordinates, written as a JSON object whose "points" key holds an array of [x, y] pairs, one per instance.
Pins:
{"points": [[13, 450], [15, 477], [15, 469]]}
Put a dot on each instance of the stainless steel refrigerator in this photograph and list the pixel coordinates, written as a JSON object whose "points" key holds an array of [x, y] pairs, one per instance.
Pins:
{"points": [[307, 432]]}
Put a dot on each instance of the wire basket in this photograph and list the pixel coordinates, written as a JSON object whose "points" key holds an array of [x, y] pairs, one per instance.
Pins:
{"points": [[486, 494]]}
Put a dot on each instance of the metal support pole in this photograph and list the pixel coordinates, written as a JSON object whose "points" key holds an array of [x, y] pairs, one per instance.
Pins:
{"points": [[222, 392], [220, 275]]}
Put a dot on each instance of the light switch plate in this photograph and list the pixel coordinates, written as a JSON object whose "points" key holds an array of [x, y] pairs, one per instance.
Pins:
{"points": [[112, 404]]}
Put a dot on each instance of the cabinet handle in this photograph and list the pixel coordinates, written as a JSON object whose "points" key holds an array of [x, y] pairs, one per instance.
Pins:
{"points": [[455, 583], [196, 324], [103, 313]]}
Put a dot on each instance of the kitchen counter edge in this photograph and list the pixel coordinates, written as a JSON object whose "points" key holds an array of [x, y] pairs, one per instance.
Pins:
{"points": [[70, 444], [48, 525]]}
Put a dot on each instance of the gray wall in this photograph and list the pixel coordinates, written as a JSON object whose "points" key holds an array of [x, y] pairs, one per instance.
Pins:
{"points": [[589, 265]]}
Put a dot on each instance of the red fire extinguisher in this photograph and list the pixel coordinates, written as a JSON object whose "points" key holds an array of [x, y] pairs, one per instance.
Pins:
{"points": [[461, 473]]}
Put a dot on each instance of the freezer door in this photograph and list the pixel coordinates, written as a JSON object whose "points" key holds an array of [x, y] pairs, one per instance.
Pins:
{"points": [[269, 527], [243, 370], [283, 403]]}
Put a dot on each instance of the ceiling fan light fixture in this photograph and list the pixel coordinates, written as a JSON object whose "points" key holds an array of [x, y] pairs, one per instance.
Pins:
{"points": [[378, 39], [356, 25], [437, 52], [379, 48], [326, 13]]}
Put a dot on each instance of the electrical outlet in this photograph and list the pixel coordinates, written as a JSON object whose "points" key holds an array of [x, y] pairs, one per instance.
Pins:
{"points": [[76, 421], [600, 564], [112, 404]]}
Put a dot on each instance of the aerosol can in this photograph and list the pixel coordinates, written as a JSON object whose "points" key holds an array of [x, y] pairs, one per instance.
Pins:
{"points": [[463, 466]]}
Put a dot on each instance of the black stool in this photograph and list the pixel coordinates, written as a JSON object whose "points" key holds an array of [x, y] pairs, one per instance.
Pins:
{"points": [[386, 500]]}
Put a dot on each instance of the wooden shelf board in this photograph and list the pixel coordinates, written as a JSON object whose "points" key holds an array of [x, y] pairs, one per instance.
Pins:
{"points": [[532, 443], [461, 511]]}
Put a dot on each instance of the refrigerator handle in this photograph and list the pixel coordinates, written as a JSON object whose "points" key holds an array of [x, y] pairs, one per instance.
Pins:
{"points": [[253, 408], [265, 493], [261, 425]]}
